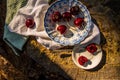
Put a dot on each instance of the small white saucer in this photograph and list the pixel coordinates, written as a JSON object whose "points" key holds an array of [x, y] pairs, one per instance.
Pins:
{"points": [[94, 60]]}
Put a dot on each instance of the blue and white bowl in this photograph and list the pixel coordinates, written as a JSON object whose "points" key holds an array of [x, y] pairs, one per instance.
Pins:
{"points": [[77, 35]]}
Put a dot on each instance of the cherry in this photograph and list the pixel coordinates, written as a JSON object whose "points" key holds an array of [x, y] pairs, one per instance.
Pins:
{"points": [[56, 16], [62, 29], [75, 10], [82, 60], [67, 16], [91, 48], [78, 21], [29, 23]]}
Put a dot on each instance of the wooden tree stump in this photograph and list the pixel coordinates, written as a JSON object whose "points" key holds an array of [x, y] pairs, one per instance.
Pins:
{"points": [[56, 64]]}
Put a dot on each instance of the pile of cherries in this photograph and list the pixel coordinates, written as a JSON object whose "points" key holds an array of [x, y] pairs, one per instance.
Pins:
{"points": [[66, 16]]}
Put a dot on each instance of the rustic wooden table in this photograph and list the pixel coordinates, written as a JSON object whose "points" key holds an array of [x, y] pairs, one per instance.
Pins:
{"points": [[36, 62]]}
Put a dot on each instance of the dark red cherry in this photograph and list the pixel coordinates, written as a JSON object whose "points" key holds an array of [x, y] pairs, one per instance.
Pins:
{"points": [[62, 29], [91, 48], [56, 16], [75, 10], [67, 16], [78, 21], [82, 60], [29, 23]]}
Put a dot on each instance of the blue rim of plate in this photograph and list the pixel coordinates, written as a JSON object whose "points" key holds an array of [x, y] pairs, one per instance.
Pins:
{"points": [[77, 38]]}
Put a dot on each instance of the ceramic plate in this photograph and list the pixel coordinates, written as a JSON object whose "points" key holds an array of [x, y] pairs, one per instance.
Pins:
{"points": [[94, 60], [73, 35]]}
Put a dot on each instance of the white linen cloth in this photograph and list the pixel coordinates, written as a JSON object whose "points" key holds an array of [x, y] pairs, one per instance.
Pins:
{"points": [[36, 9], [93, 37]]}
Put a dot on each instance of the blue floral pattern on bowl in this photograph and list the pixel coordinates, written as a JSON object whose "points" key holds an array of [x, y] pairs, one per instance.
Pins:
{"points": [[63, 6]]}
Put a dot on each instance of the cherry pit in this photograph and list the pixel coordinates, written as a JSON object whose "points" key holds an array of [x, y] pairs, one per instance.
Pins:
{"points": [[67, 16]]}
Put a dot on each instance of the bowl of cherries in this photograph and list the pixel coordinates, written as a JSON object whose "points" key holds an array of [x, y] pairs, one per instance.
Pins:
{"points": [[67, 23]]}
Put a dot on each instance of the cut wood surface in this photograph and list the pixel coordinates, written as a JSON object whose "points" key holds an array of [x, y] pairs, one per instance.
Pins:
{"points": [[38, 63]]}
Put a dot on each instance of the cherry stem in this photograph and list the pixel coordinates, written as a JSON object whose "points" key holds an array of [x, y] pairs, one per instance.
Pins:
{"points": [[71, 28]]}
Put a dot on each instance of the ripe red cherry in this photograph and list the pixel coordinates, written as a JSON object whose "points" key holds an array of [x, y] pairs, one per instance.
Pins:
{"points": [[75, 10], [78, 21], [67, 16], [62, 29], [29, 23], [82, 60], [56, 16], [91, 48]]}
